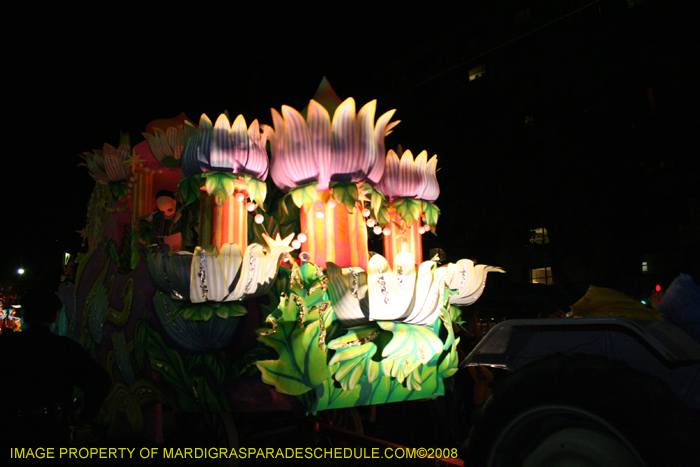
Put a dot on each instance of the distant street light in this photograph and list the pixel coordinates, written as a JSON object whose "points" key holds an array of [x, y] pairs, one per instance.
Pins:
{"points": [[20, 271]]}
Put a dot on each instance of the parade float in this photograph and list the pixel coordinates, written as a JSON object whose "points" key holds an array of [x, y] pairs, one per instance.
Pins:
{"points": [[227, 267]]}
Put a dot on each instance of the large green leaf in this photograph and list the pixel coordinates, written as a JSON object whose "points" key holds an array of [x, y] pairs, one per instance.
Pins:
{"points": [[302, 361], [410, 346]]}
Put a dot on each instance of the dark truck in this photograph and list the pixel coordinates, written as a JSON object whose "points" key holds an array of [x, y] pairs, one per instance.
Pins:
{"points": [[588, 392]]}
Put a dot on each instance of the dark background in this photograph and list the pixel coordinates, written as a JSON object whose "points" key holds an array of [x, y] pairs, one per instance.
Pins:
{"points": [[585, 121]]}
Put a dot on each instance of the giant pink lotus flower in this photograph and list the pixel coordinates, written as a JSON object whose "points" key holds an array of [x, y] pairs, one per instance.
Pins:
{"points": [[409, 178], [226, 148], [350, 148]]}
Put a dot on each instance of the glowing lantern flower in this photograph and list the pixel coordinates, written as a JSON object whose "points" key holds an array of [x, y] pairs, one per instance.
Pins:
{"points": [[233, 159], [409, 178], [109, 164], [350, 148], [318, 154], [411, 185], [223, 147]]}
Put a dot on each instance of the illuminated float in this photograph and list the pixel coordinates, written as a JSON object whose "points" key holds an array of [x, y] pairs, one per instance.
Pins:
{"points": [[280, 292]]}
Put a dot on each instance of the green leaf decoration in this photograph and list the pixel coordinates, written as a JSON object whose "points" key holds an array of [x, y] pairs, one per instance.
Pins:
{"points": [[348, 364], [408, 209], [383, 217], [192, 379], [329, 396], [117, 189], [205, 310], [302, 362], [431, 213], [189, 189], [378, 201], [449, 365], [220, 184], [353, 356], [345, 193], [304, 196], [410, 346], [257, 191]]}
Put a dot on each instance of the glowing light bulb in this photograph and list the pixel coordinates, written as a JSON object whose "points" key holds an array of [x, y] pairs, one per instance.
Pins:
{"points": [[377, 229], [332, 203], [301, 237], [421, 230], [304, 256], [371, 222], [259, 219], [386, 231], [320, 214], [365, 212], [296, 244], [426, 228], [250, 207], [240, 197]]}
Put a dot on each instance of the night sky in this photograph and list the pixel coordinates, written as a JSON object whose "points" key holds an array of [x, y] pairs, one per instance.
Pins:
{"points": [[80, 74]]}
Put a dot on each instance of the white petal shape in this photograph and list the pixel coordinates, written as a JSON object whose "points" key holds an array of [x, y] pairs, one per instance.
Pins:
{"points": [[426, 309], [347, 289], [383, 289], [405, 273], [228, 275], [469, 280], [209, 281]]}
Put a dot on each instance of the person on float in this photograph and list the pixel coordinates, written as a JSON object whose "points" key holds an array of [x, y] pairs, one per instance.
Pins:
{"points": [[169, 224]]}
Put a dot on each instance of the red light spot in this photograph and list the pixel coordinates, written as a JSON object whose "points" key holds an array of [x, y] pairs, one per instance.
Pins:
{"points": [[658, 288]]}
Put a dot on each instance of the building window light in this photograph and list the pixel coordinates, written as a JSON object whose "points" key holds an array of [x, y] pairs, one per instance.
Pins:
{"points": [[541, 276], [477, 72], [539, 236], [645, 266]]}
